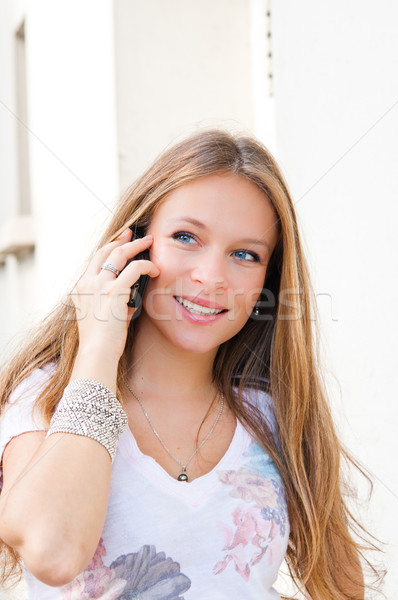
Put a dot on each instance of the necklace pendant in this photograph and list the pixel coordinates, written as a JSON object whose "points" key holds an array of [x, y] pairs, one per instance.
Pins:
{"points": [[183, 476]]}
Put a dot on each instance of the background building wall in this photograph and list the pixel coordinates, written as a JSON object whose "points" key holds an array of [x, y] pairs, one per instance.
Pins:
{"points": [[110, 84], [336, 104], [179, 67], [71, 124]]}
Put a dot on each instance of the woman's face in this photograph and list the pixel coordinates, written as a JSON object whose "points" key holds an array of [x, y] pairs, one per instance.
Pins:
{"points": [[212, 240]]}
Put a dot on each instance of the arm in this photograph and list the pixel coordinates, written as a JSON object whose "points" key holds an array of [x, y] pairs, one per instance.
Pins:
{"points": [[52, 509], [53, 503], [54, 499]]}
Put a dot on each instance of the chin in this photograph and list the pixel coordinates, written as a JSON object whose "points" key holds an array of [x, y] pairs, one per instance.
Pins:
{"points": [[194, 346]]}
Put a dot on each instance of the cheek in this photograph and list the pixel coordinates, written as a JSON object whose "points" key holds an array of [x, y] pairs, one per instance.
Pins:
{"points": [[171, 272], [161, 256], [173, 264], [252, 289]]}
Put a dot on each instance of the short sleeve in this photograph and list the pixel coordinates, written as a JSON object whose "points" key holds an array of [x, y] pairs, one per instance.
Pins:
{"points": [[263, 402], [18, 416]]}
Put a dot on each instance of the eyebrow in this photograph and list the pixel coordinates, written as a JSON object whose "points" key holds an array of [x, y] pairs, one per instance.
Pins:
{"points": [[201, 225]]}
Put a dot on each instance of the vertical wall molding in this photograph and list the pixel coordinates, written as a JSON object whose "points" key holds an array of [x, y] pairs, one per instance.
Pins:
{"points": [[24, 192]]}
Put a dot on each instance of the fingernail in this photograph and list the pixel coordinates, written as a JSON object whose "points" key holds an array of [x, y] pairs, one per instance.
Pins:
{"points": [[148, 237]]}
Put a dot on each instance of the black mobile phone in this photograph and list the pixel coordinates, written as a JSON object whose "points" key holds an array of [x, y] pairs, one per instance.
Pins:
{"points": [[138, 289]]}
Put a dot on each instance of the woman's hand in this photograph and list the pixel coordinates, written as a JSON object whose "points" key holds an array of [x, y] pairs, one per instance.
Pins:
{"points": [[101, 298]]}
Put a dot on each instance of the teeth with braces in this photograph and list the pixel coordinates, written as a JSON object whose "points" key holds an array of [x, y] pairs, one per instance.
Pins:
{"points": [[197, 308]]}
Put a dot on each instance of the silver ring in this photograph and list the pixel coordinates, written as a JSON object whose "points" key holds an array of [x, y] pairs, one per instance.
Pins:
{"points": [[110, 267]]}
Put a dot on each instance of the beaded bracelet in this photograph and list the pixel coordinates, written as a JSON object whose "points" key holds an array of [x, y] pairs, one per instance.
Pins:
{"points": [[89, 408]]}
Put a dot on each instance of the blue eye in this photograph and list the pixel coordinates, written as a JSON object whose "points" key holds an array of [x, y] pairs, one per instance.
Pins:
{"points": [[254, 256], [182, 234]]}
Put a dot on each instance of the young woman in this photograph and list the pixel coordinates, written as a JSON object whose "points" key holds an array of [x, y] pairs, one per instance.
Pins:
{"points": [[184, 448]]}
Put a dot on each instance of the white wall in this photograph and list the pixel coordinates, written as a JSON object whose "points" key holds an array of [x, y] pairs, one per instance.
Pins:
{"points": [[72, 114], [10, 19], [336, 95], [72, 142]]}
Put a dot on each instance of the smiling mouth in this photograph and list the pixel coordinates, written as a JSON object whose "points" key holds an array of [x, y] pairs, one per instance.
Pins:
{"points": [[198, 309]]}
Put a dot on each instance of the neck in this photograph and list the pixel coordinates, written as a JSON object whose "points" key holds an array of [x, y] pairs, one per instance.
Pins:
{"points": [[161, 370]]}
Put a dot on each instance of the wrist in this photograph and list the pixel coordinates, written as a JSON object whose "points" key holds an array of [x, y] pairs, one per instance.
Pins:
{"points": [[91, 363]]}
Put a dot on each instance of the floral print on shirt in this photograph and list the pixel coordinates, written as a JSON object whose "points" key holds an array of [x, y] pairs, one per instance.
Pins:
{"points": [[142, 575], [259, 520]]}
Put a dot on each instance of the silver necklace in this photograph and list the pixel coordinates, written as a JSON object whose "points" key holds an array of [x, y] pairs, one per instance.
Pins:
{"points": [[182, 476]]}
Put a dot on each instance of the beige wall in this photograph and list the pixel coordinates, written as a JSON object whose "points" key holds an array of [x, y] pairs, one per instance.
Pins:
{"points": [[179, 65]]}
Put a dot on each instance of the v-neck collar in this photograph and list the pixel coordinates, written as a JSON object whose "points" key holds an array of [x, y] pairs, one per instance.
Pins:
{"points": [[193, 491]]}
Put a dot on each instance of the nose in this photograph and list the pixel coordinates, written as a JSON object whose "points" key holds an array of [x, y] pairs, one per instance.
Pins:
{"points": [[210, 271]]}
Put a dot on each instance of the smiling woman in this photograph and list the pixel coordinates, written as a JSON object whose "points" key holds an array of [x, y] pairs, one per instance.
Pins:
{"points": [[184, 446]]}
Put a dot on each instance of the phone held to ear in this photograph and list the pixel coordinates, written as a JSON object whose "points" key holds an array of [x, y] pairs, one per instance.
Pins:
{"points": [[138, 289]]}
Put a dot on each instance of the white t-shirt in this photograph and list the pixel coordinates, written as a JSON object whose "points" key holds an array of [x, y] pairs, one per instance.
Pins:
{"points": [[222, 536]]}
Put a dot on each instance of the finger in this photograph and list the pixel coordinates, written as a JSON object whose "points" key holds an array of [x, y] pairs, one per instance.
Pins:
{"points": [[103, 253], [120, 256], [134, 270]]}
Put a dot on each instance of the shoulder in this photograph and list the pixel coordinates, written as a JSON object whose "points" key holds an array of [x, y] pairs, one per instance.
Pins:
{"points": [[29, 388], [34, 382], [261, 400], [19, 414]]}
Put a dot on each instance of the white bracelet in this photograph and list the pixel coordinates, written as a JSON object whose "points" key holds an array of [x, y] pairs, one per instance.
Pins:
{"points": [[89, 408]]}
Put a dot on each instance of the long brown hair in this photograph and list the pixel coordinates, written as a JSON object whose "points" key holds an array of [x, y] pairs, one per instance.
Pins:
{"points": [[275, 351]]}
